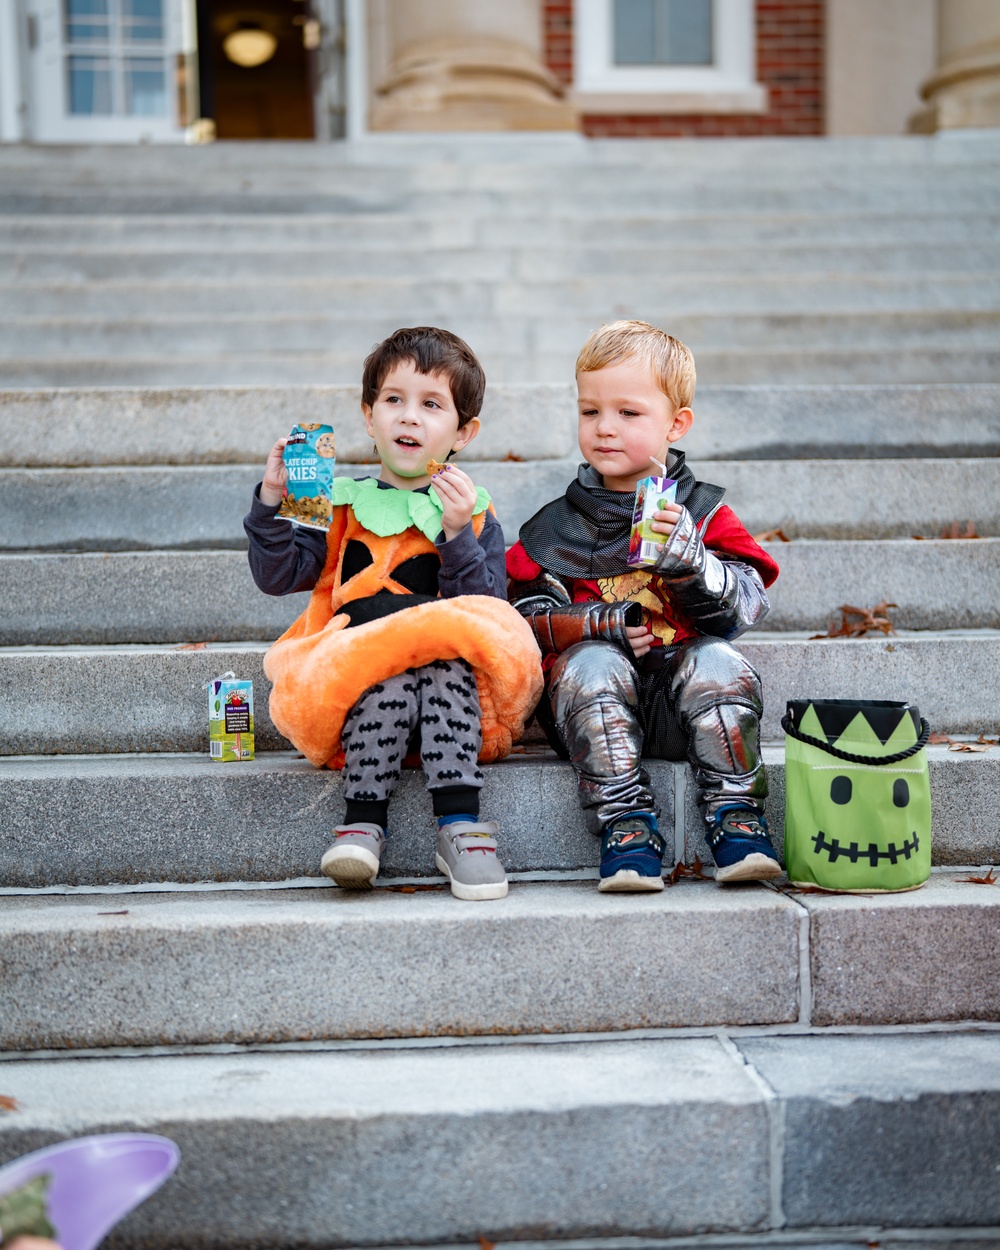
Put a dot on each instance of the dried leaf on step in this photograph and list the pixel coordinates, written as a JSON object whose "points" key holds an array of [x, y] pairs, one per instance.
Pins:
{"points": [[192, 646], [7, 1103], [990, 879], [939, 740], [485, 1244], [688, 870], [866, 620], [953, 531], [512, 456], [971, 748], [770, 536]]}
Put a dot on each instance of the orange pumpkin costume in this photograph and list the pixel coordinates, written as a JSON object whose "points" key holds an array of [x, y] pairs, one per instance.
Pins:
{"points": [[321, 666]]}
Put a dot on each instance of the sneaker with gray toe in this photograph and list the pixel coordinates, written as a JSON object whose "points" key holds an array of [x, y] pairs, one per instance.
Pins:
{"points": [[353, 859], [467, 855]]}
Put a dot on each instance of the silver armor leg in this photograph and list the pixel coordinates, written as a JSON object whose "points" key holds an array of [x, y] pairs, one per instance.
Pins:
{"points": [[716, 697], [594, 692]]}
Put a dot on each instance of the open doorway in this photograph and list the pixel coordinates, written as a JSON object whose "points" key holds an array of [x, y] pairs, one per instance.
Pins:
{"points": [[257, 67]]}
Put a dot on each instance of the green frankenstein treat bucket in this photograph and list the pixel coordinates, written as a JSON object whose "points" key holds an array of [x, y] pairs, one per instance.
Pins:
{"points": [[857, 795]]}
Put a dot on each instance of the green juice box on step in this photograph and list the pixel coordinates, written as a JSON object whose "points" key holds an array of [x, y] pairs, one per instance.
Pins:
{"points": [[230, 720]]}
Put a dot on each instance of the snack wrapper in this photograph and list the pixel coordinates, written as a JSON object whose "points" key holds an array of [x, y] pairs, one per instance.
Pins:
{"points": [[651, 494], [310, 458], [230, 719]]}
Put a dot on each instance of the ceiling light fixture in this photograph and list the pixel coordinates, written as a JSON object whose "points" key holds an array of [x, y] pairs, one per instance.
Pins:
{"points": [[249, 48]]}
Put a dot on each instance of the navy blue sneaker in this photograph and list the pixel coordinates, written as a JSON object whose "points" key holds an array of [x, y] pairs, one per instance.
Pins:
{"points": [[741, 847], [632, 854]]}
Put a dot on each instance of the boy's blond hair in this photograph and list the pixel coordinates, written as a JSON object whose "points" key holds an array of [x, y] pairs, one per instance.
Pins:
{"points": [[671, 362]]}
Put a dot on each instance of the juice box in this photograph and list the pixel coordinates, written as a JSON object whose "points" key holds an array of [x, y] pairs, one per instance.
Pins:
{"points": [[310, 456], [651, 494], [230, 719]]}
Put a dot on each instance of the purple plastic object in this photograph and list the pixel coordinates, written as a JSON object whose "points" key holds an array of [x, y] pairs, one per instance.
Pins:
{"points": [[96, 1181]]}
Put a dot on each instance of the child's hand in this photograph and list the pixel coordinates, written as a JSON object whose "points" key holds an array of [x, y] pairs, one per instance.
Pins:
{"points": [[457, 493], [272, 488], [640, 639], [664, 519]]}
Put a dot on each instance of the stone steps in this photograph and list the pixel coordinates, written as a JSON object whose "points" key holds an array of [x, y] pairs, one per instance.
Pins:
{"points": [[42, 269], [199, 425], [210, 234], [818, 1100], [809, 1132], [266, 966], [208, 595], [529, 300], [98, 820], [857, 364], [965, 331], [964, 190], [81, 700], [200, 506], [853, 364]]}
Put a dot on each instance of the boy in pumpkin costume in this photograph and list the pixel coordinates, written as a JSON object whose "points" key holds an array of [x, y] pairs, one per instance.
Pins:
{"points": [[408, 637], [637, 660]]}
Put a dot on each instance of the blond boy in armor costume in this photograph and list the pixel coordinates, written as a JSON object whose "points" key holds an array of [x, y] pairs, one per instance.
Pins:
{"points": [[638, 661]]}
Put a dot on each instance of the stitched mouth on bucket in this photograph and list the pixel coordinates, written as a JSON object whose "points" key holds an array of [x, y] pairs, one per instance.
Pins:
{"points": [[872, 852]]}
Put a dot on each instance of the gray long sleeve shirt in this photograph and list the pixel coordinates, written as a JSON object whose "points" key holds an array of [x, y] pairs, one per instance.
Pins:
{"points": [[285, 558]]}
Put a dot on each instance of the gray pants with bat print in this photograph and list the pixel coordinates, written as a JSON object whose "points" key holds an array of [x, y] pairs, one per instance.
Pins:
{"points": [[435, 707]]}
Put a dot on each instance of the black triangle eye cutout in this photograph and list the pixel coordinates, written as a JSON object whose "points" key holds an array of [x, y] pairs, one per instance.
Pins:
{"points": [[356, 558], [419, 574]]}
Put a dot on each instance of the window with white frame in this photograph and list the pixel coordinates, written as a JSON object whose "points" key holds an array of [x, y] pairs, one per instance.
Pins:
{"points": [[115, 57], [666, 56], [104, 71]]}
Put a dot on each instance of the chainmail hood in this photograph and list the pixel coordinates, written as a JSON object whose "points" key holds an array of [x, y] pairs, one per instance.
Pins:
{"points": [[585, 534]]}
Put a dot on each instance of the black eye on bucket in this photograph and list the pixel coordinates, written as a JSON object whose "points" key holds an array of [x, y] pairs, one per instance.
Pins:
{"points": [[840, 789], [900, 792]]}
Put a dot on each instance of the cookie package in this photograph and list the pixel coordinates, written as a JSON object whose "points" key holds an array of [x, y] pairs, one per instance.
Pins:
{"points": [[645, 544], [310, 458], [230, 719]]}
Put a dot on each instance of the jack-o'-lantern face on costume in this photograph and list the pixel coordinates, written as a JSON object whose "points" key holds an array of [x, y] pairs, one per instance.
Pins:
{"points": [[379, 576]]}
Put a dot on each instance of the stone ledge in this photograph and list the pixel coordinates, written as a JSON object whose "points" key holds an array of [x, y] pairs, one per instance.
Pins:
{"points": [[428, 1147], [114, 598], [177, 507], [271, 966], [867, 1123], [200, 425], [97, 820], [81, 700]]}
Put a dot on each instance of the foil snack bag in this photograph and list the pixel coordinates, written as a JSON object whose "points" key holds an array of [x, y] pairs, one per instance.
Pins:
{"points": [[651, 494], [230, 719], [310, 458]]}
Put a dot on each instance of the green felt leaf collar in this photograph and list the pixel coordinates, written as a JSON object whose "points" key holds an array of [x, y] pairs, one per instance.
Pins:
{"points": [[388, 512]]}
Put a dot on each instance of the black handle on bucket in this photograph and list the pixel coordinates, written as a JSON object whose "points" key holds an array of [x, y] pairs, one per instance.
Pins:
{"points": [[921, 742]]}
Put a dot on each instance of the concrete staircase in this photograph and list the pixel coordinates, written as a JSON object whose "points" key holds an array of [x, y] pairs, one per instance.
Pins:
{"points": [[747, 1066]]}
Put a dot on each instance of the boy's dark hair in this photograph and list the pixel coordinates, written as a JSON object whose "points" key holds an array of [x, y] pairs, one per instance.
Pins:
{"points": [[432, 351]]}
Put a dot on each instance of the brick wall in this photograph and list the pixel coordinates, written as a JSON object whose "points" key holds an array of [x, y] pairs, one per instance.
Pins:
{"points": [[789, 63]]}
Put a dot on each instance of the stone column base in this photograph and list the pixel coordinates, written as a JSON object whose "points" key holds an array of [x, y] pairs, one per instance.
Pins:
{"points": [[965, 92], [474, 82]]}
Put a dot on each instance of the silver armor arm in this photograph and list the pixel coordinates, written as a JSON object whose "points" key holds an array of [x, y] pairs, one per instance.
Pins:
{"points": [[722, 597], [559, 624]]}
